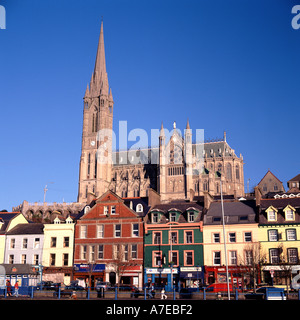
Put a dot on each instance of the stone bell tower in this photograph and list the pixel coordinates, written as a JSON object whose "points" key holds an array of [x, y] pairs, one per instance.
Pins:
{"points": [[96, 152]]}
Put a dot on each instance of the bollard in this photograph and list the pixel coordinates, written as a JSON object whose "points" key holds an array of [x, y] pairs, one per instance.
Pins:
{"points": [[236, 294], [174, 294], [58, 295], [145, 293], [204, 294], [298, 294], [31, 295], [116, 293], [88, 293], [5, 292]]}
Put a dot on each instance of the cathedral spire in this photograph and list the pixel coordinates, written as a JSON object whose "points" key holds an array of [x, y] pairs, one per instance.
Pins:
{"points": [[99, 82]]}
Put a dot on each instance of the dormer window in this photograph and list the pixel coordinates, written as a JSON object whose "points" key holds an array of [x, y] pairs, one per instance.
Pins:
{"points": [[154, 217], [139, 208], [271, 214], [289, 213], [191, 216], [172, 217]]}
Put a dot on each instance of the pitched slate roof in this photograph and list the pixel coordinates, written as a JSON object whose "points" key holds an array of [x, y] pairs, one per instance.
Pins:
{"points": [[151, 155], [181, 206], [280, 203], [5, 218], [235, 212], [297, 178], [27, 228]]}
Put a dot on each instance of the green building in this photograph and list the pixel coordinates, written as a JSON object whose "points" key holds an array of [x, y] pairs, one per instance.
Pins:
{"points": [[173, 245]]}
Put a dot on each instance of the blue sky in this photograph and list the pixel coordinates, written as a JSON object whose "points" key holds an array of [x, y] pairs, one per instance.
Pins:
{"points": [[226, 65]]}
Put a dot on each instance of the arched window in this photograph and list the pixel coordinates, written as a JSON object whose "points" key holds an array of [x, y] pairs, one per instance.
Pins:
{"points": [[139, 208], [95, 174], [89, 164], [237, 172], [220, 167], [228, 171]]}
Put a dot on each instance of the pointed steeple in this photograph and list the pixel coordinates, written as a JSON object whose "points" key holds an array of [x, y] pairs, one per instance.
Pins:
{"points": [[162, 131], [99, 81], [87, 91], [188, 125]]}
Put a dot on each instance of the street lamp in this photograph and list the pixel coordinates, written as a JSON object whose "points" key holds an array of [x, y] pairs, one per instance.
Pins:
{"points": [[171, 252], [224, 236]]}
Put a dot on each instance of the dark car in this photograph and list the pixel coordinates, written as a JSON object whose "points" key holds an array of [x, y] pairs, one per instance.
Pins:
{"points": [[266, 293], [48, 285], [136, 292], [125, 287], [74, 286]]}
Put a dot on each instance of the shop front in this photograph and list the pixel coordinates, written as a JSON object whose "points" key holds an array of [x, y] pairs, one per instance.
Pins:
{"points": [[191, 277], [239, 276], [27, 275], [124, 274], [162, 277], [88, 274], [281, 275], [57, 274]]}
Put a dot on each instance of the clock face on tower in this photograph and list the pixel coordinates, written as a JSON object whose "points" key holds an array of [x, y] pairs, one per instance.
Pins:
{"points": [[93, 143]]}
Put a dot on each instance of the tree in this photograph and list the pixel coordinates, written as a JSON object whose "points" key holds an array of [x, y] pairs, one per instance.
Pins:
{"points": [[252, 259], [120, 260]]}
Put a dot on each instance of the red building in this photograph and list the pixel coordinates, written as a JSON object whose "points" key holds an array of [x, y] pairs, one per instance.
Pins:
{"points": [[109, 243]]}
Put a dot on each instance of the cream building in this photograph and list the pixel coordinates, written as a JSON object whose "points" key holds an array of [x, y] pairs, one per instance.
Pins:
{"points": [[242, 242], [58, 250]]}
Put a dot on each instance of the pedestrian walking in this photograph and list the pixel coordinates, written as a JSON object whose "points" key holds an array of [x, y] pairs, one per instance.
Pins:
{"points": [[163, 294], [8, 288], [16, 289]]}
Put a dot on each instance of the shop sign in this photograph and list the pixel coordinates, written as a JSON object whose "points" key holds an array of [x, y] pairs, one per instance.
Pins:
{"points": [[89, 267], [161, 270], [191, 269]]}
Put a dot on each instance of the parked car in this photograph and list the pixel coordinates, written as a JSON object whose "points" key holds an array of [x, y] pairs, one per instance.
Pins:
{"points": [[48, 285], [266, 293], [136, 292], [125, 287], [104, 285], [74, 286]]}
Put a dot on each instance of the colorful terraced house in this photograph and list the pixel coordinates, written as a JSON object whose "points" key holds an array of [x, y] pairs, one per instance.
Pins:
{"points": [[173, 245]]}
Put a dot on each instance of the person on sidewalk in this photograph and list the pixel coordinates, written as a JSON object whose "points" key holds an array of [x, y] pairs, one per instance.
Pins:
{"points": [[16, 289], [8, 286]]}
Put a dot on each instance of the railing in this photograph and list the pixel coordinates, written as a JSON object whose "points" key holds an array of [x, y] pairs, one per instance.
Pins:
{"points": [[123, 293]]}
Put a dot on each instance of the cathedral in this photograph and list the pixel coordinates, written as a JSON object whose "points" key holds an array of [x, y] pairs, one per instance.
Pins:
{"points": [[177, 169]]}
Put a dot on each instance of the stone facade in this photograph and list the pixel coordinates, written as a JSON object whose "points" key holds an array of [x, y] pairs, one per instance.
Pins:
{"points": [[47, 212], [176, 169], [270, 183]]}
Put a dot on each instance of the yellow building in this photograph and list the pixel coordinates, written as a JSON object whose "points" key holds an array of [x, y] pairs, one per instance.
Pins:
{"points": [[58, 250], [279, 235], [8, 220], [241, 236]]}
